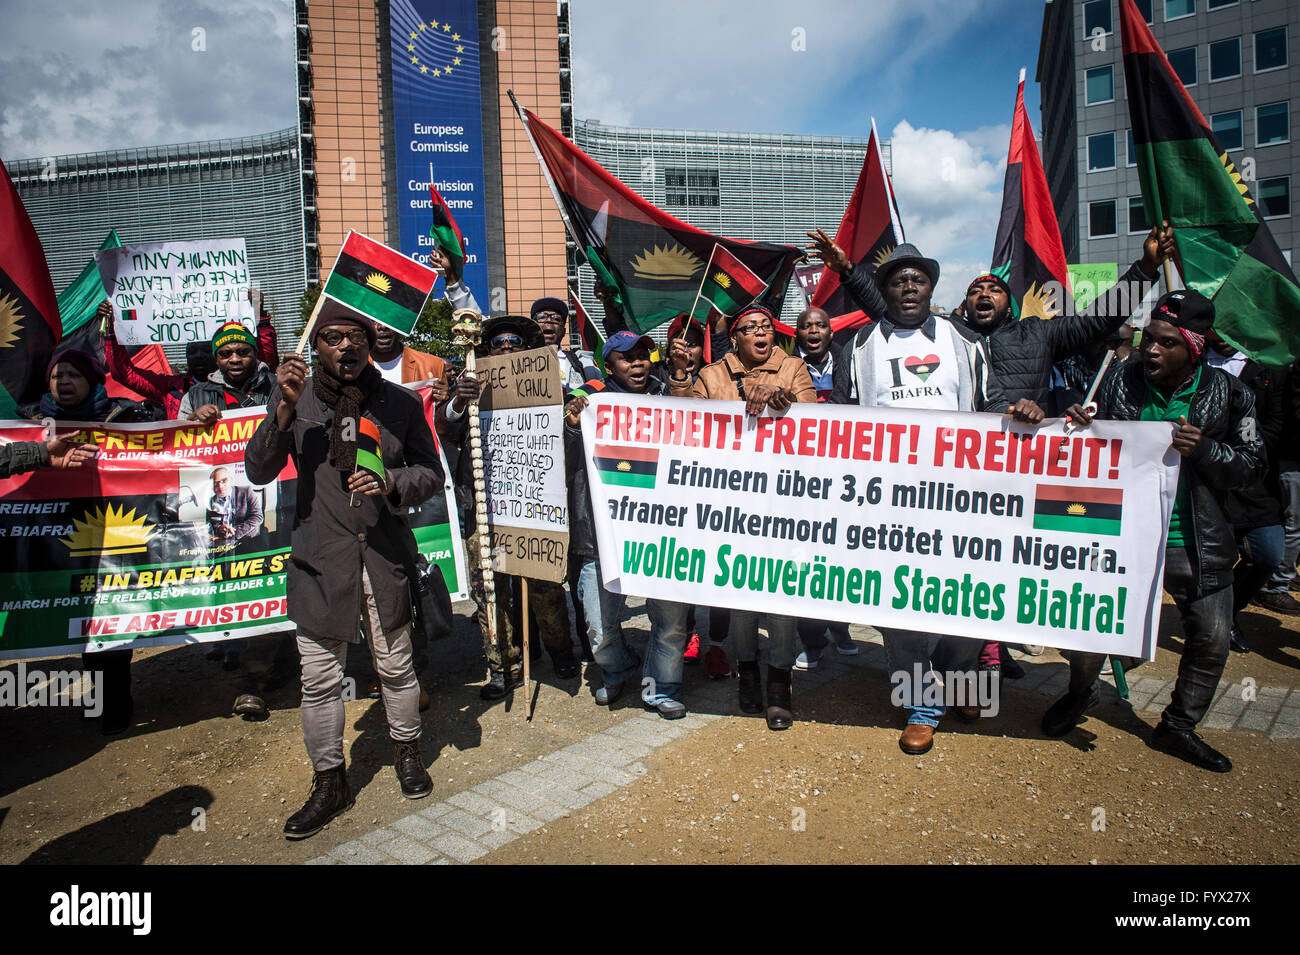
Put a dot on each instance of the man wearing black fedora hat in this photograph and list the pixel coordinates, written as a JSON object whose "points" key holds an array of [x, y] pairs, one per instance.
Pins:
{"points": [[911, 358], [1221, 447]]}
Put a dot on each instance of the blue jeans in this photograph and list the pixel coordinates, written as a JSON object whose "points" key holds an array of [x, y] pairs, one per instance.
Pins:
{"points": [[1288, 480], [906, 650], [1261, 550], [780, 638], [812, 634], [662, 671]]}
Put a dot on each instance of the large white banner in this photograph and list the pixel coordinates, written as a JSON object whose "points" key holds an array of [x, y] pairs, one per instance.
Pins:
{"points": [[175, 292], [945, 523]]}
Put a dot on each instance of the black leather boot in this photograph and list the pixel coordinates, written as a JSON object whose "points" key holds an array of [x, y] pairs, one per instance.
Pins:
{"points": [[415, 781], [751, 689], [330, 796], [780, 716], [1067, 712]]}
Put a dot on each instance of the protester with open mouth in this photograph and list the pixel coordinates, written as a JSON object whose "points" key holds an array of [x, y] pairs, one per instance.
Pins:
{"points": [[768, 380], [1218, 438]]}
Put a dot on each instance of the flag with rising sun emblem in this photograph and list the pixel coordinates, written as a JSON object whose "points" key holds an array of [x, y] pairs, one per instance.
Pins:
{"points": [[1225, 249], [29, 312], [380, 282], [651, 262], [728, 285], [1028, 253]]}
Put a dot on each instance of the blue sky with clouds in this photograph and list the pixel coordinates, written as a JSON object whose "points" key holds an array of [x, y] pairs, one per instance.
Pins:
{"points": [[938, 75]]}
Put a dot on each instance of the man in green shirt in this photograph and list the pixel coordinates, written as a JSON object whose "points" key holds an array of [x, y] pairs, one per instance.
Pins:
{"points": [[1216, 435]]}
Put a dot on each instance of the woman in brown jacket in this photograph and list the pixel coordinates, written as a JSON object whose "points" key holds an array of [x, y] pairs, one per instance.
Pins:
{"points": [[769, 380]]}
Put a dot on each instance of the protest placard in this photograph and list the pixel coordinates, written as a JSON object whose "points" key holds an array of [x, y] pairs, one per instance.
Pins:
{"points": [[922, 520], [176, 292], [522, 423], [1089, 280], [163, 540]]}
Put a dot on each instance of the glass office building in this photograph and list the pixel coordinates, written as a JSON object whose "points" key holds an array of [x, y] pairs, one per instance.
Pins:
{"points": [[229, 188]]}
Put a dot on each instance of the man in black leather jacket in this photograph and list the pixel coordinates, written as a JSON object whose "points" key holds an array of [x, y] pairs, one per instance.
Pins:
{"points": [[1221, 448]]}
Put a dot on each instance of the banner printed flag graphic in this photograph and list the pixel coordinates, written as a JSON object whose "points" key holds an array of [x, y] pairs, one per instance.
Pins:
{"points": [[870, 230], [29, 311], [1084, 510], [1225, 249], [1028, 252], [380, 282], [369, 456], [445, 232], [650, 259], [630, 466], [728, 285]]}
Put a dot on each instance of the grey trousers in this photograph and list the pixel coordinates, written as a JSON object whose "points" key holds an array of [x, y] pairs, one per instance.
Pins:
{"points": [[322, 685]]}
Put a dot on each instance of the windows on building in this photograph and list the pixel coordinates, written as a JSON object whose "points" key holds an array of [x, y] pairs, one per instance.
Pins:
{"points": [[1137, 215], [1275, 197], [1101, 219], [1099, 85], [1179, 8], [1184, 63], [694, 187], [1270, 50], [1101, 151], [1096, 15], [1225, 58], [1272, 124], [1227, 128]]}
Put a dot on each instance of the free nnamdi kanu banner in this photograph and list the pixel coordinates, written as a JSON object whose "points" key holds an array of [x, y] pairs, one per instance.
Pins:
{"points": [[163, 540], [961, 524]]}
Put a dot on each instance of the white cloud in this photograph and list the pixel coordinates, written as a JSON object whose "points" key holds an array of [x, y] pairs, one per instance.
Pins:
{"points": [[949, 189], [761, 65], [80, 77]]}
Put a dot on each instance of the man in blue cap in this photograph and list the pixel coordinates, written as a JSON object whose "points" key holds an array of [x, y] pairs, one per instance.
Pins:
{"points": [[627, 361]]}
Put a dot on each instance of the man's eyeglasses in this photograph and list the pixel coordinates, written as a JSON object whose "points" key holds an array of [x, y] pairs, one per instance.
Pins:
{"points": [[754, 328], [334, 338], [507, 341], [548, 318], [240, 352]]}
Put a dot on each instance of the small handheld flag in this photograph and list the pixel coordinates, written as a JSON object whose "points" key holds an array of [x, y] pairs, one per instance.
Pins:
{"points": [[444, 231], [369, 457]]}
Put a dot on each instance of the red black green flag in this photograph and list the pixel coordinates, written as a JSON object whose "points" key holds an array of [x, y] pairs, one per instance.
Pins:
{"points": [[728, 285], [869, 231], [651, 262], [1225, 249], [380, 282], [592, 340], [1028, 253], [1081, 510], [627, 465], [29, 312], [369, 456], [444, 231]]}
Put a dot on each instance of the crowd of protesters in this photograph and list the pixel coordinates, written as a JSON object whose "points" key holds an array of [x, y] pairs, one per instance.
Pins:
{"points": [[1233, 539]]}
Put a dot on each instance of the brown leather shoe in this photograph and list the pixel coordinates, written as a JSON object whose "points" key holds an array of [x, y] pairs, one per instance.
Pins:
{"points": [[424, 699], [916, 739], [969, 713]]}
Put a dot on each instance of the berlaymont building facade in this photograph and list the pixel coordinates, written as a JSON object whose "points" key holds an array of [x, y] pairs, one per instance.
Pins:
{"points": [[394, 93]]}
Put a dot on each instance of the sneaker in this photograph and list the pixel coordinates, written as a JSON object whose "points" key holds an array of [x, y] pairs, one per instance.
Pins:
{"points": [[692, 653], [1282, 603], [606, 695], [716, 663], [849, 649], [668, 709], [805, 662]]}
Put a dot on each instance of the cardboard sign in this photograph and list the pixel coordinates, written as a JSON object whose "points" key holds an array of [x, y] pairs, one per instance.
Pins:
{"points": [[521, 419]]}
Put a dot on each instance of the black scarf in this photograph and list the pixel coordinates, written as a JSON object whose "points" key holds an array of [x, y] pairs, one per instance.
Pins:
{"points": [[346, 398]]}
